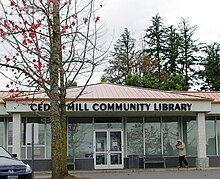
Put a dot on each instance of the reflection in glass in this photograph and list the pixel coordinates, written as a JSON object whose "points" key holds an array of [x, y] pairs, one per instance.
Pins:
{"points": [[218, 134], [39, 133], [2, 131], [101, 141], [170, 135], [10, 132], [210, 136], [80, 139], [42, 138], [115, 141], [135, 136], [108, 122], [48, 140], [116, 159], [152, 136], [190, 135], [101, 159], [39, 152]]}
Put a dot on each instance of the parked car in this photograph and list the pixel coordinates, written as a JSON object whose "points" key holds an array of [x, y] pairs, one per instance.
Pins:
{"points": [[12, 168]]}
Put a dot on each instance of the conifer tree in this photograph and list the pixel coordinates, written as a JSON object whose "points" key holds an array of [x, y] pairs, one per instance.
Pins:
{"points": [[154, 39], [188, 48], [210, 75], [123, 59]]}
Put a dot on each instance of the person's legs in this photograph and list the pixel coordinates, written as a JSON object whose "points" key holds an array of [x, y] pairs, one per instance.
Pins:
{"points": [[180, 161], [185, 161]]}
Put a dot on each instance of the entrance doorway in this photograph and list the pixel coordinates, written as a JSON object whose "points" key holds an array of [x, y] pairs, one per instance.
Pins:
{"points": [[108, 149]]}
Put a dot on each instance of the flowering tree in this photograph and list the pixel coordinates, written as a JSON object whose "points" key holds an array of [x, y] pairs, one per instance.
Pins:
{"points": [[46, 45]]}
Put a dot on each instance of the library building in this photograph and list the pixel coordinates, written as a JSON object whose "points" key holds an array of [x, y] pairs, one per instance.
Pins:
{"points": [[113, 126]]}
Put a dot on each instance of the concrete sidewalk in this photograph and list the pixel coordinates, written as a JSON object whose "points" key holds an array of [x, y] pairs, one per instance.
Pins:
{"points": [[169, 173]]}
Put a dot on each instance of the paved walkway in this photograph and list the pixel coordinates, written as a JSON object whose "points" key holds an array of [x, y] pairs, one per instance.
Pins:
{"points": [[170, 173]]}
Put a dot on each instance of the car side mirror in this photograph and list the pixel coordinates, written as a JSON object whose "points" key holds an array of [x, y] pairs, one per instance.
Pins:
{"points": [[14, 155]]}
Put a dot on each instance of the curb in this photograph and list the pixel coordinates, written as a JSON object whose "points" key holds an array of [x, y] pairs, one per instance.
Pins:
{"points": [[46, 174]]}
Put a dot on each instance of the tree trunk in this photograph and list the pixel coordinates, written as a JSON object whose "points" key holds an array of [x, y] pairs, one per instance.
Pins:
{"points": [[57, 97]]}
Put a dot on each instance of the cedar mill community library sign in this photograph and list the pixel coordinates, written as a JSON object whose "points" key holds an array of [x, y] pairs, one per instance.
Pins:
{"points": [[117, 107]]}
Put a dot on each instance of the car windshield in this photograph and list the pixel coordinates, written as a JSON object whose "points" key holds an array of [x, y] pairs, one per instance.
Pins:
{"points": [[4, 153]]}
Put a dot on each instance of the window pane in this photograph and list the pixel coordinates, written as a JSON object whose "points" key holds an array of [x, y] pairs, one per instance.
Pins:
{"points": [[108, 122], [210, 136], [80, 138], [218, 134], [2, 131], [115, 141], [39, 134], [10, 132], [135, 136], [190, 135], [170, 135], [152, 136], [48, 140], [23, 132], [39, 152]]}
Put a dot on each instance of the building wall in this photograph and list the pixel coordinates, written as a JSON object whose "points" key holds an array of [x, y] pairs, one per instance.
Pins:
{"points": [[140, 134]]}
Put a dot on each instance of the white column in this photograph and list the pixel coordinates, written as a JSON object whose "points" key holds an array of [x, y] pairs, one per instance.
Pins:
{"points": [[16, 134], [202, 160]]}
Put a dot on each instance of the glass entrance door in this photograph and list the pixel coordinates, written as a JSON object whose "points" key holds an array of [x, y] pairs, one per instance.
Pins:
{"points": [[108, 149]]}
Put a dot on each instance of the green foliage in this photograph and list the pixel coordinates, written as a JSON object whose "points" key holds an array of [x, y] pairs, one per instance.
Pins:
{"points": [[211, 73], [171, 52], [169, 59], [104, 79], [150, 81], [188, 49], [171, 82], [70, 84], [174, 82], [154, 39], [133, 80], [147, 81], [123, 58]]}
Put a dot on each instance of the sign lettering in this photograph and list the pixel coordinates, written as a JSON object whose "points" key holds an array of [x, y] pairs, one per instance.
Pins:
{"points": [[118, 107]]}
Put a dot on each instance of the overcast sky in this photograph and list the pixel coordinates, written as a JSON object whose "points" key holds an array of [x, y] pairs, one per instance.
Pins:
{"points": [[136, 15]]}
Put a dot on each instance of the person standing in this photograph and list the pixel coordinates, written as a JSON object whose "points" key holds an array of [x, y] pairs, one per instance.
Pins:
{"points": [[182, 153]]}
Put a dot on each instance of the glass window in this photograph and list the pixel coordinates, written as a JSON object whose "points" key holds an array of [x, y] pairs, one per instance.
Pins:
{"points": [[210, 136], [80, 137], [2, 131], [42, 133], [152, 130], [39, 131], [23, 131], [135, 136], [190, 135], [218, 133], [108, 122], [48, 140], [10, 132], [170, 135]]}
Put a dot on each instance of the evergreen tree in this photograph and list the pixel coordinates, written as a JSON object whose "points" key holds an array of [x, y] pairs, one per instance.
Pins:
{"points": [[170, 82], [154, 38], [146, 64], [167, 61], [171, 52], [188, 49], [147, 81], [123, 59], [211, 73], [174, 81]]}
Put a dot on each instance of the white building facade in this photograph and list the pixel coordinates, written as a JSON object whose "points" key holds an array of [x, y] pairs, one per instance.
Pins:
{"points": [[111, 125]]}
